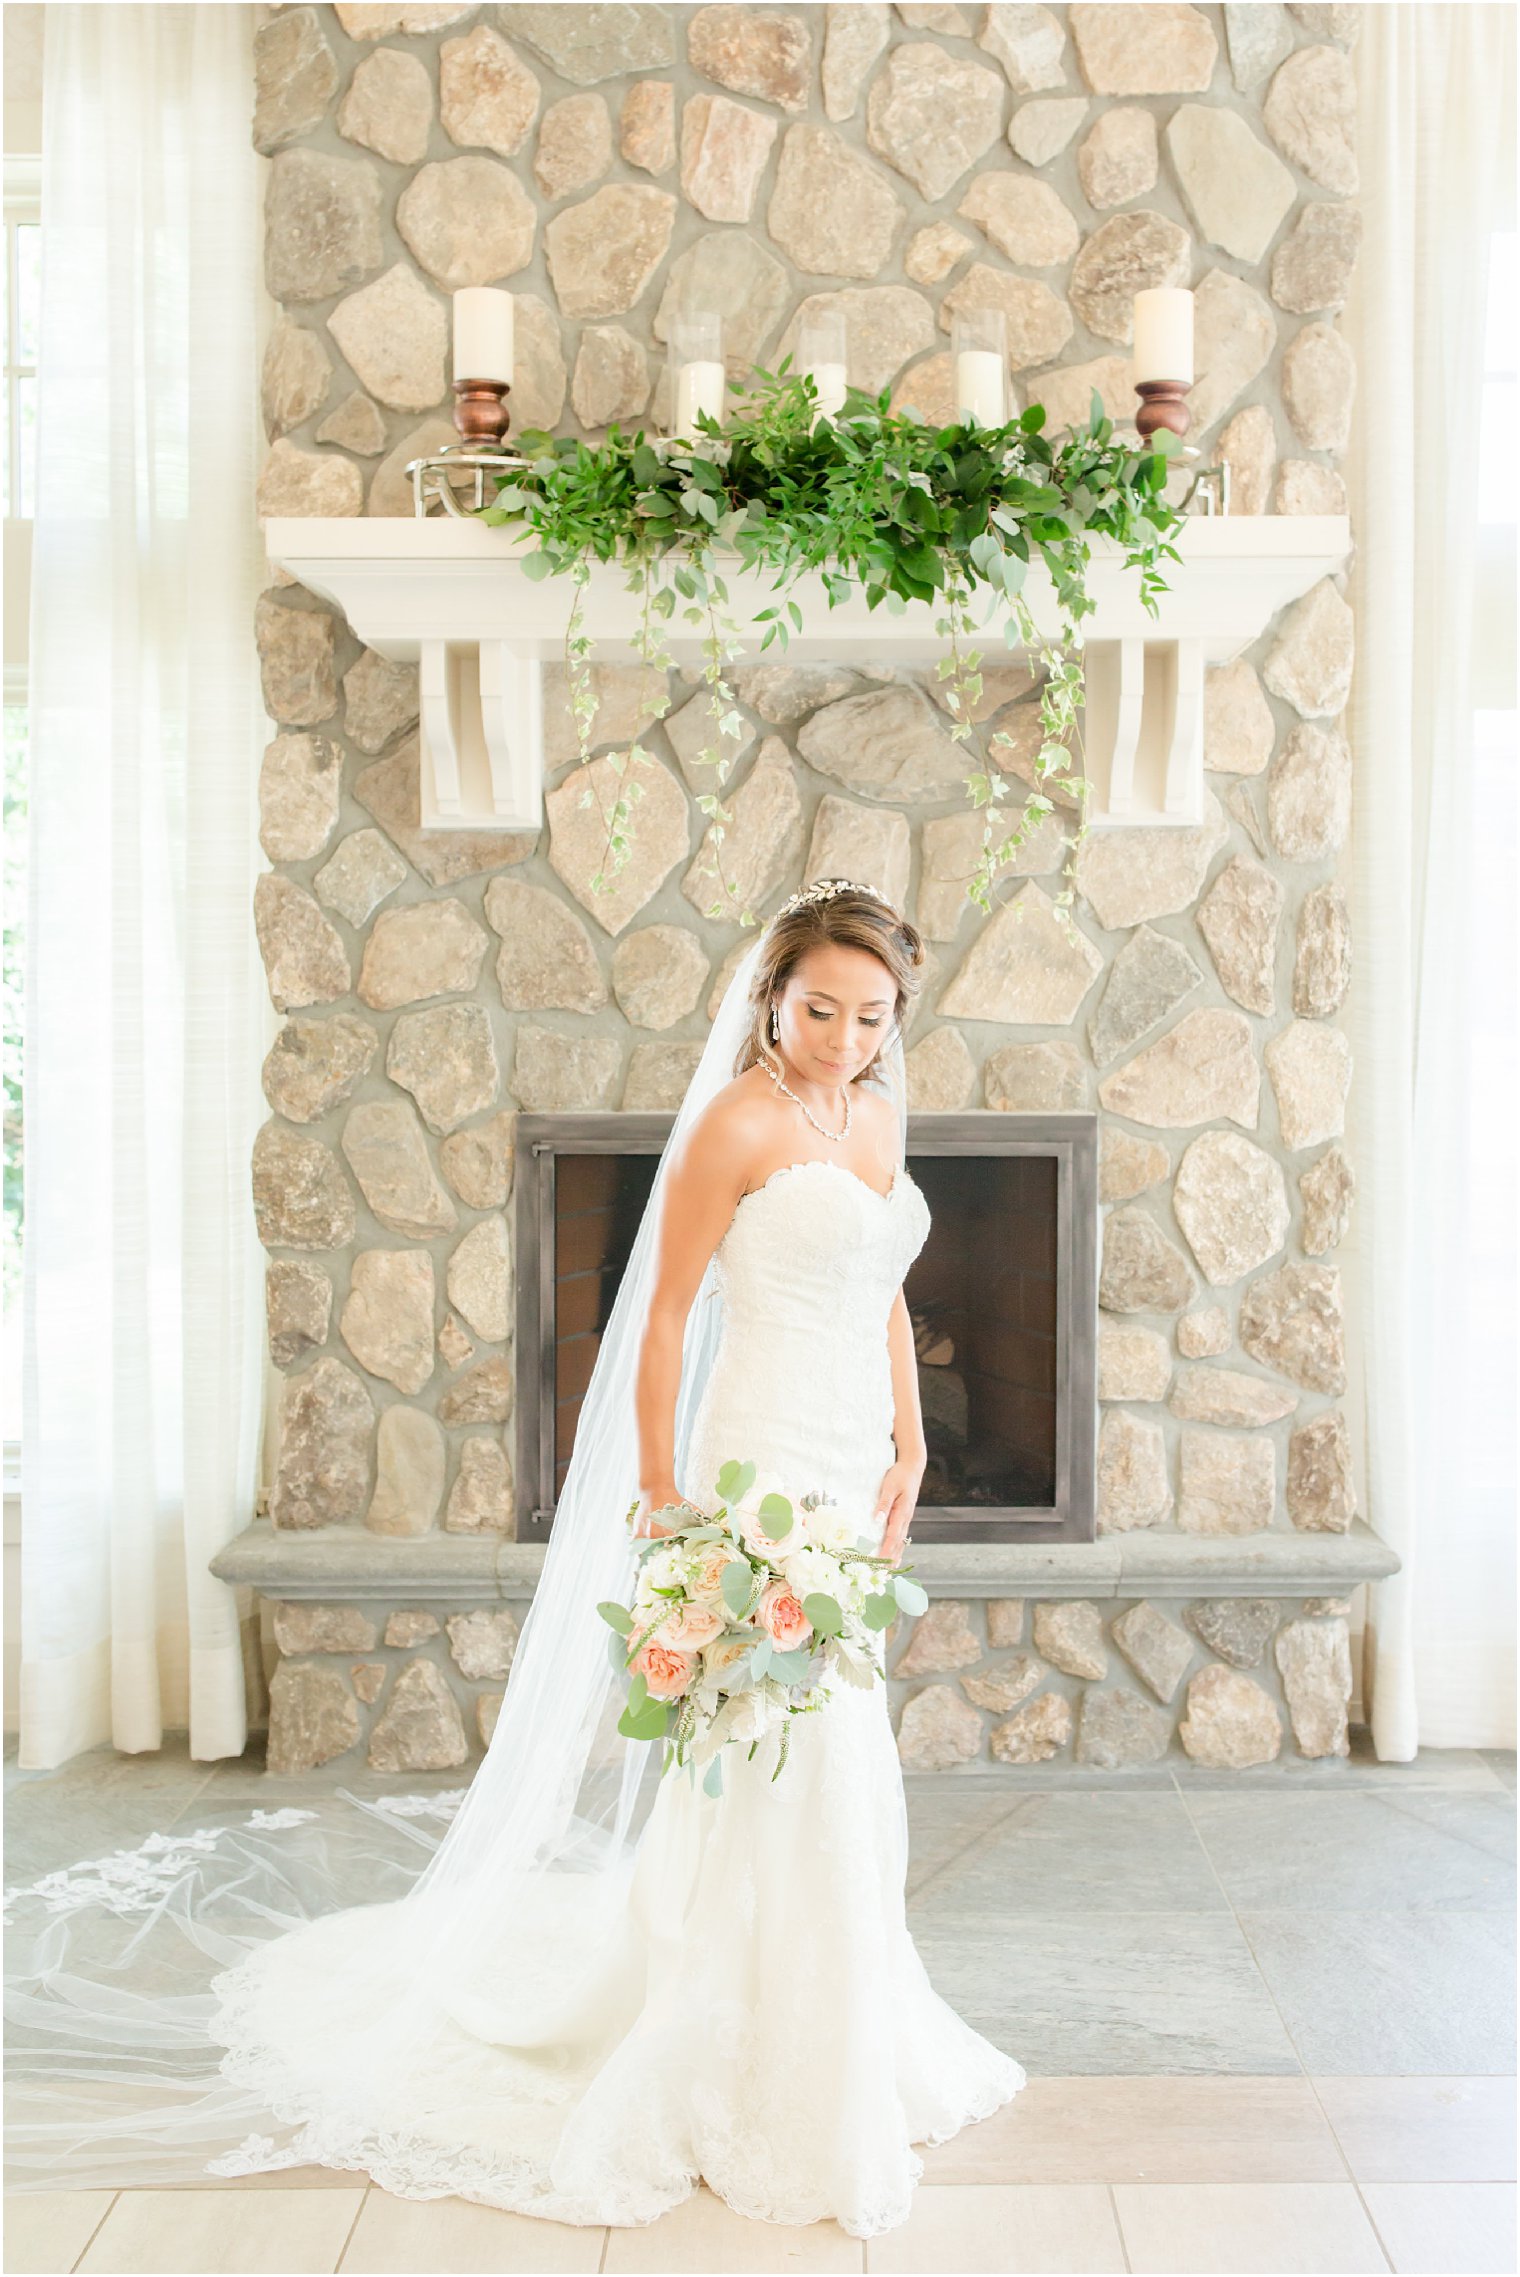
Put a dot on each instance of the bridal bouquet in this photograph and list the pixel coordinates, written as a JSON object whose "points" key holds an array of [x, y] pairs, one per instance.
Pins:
{"points": [[740, 1619]]}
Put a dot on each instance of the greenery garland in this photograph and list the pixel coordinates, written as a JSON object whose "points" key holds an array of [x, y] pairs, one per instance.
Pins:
{"points": [[872, 501]]}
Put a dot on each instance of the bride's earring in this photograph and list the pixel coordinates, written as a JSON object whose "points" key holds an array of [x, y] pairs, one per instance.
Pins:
{"points": [[775, 1021]]}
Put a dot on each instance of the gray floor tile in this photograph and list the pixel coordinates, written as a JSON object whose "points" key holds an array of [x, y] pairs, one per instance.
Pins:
{"points": [[1102, 1853], [1370, 1851], [1391, 1992]]}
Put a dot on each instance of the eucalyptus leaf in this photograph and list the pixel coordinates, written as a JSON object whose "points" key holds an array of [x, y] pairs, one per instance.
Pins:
{"points": [[712, 1781], [616, 1616], [776, 1516], [824, 1612], [910, 1595]]}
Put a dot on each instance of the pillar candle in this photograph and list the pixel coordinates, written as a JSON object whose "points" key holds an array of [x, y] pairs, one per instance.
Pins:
{"points": [[483, 334], [1164, 334], [979, 388], [699, 387]]}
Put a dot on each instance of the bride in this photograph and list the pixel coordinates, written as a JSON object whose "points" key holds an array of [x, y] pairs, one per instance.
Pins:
{"points": [[604, 1986]]}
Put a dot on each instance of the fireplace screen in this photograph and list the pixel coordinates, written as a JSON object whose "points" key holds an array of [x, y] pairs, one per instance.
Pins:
{"points": [[1002, 1298]]}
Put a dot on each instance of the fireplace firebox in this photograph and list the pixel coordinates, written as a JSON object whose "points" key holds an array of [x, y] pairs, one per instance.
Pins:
{"points": [[1003, 1299]]}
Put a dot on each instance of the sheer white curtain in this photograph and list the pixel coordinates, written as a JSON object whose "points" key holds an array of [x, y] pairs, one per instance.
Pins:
{"points": [[145, 1013], [1431, 1009]]}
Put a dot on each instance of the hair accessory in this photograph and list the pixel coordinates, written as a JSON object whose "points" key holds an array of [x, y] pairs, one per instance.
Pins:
{"points": [[826, 889]]}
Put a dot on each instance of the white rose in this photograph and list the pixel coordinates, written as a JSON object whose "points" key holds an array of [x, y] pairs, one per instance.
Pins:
{"points": [[830, 1527], [810, 1568]]}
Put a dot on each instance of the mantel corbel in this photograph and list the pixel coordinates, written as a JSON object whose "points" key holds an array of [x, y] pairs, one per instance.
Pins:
{"points": [[452, 596]]}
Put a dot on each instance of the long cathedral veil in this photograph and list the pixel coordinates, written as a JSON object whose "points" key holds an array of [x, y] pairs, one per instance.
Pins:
{"points": [[152, 2032]]}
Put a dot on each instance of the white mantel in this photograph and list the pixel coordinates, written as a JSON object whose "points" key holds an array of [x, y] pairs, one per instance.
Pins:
{"points": [[450, 595]]}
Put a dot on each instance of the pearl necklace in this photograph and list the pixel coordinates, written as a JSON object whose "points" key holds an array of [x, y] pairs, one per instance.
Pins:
{"points": [[807, 1110]]}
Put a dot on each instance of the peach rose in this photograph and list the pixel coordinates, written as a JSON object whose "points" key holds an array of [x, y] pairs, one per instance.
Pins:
{"points": [[690, 1627], [707, 1571], [666, 1673], [780, 1614]]}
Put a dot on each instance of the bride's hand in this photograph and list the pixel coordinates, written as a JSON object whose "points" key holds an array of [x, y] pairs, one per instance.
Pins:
{"points": [[651, 1499], [897, 1496]]}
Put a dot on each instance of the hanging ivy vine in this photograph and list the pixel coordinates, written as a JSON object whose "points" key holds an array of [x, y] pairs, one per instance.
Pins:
{"points": [[875, 503]]}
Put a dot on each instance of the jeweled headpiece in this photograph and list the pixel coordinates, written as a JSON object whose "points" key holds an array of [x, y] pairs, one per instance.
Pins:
{"points": [[826, 889]]}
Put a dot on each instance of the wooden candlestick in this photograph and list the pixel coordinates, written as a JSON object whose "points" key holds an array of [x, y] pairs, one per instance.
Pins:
{"points": [[1164, 404], [480, 410]]}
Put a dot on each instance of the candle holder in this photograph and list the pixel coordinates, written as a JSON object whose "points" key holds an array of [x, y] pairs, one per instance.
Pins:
{"points": [[698, 376], [480, 410], [979, 349], [1163, 404], [821, 357]]}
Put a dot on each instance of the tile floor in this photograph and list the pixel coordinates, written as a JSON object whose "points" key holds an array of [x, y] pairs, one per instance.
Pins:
{"points": [[1266, 2020]]}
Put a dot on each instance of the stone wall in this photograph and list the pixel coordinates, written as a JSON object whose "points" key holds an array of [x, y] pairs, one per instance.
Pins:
{"points": [[897, 163]]}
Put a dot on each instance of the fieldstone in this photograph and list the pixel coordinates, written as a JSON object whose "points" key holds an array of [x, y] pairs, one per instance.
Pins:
{"points": [[480, 1280], [421, 1728], [1123, 256], [487, 95], [1322, 955], [1005, 1622], [445, 1057], [482, 1643], [853, 39], [312, 1717], [753, 51], [387, 1320], [831, 212], [1069, 1634], [658, 974], [941, 1074], [1201, 1070], [469, 221], [1128, 1166], [410, 1459], [1236, 1629], [1150, 977], [478, 1162], [298, 1307], [294, 481], [1309, 795], [299, 1198], [390, 486], [784, 694], [574, 145], [1316, 1667], [1129, 877], [709, 738], [538, 392], [555, 1074], [1036, 1079], [488, 1709], [926, 392], [611, 380], [1027, 41], [1156, 1649], [1000, 1690], [299, 782], [887, 744], [546, 959], [1231, 1204], [942, 1639], [326, 1421], [862, 842], [368, 1679], [1342, 24], [1142, 1271], [295, 78], [1258, 35], [603, 252], [933, 252], [429, 948], [453, 1343], [1133, 1486], [1170, 50], [378, 23], [1319, 387], [627, 699], [1321, 1483], [482, 1395], [933, 114], [739, 280], [1118, 159], [384, 1147], [1310, 113], [323, 1628], [389, 106], [294, 377], [1203, 1334], [1313, 266], [1038, 321], [1304, 488], [647, 126], [724, 150], [1248, 448], [1238, 918], [1024, 967], [1035, 1733], [295, 662], [305, 961], [762, 839], [1023, 217], [1310, 1070], [1118, 1728], [313, 1065], [938, 1730], [1237, 720], [1241, 801], [321, 224], [1326, 1189], [379, 700], [1237, 190], [885, 325], [1228, 1397], [599, 41], [1314, 1660], [1040, 131], [1133, 1362], [1291, 1320], [390, 790], [1234, 334], [658, 1076], [411, 1628], [1230, 1721], [952, 853]]}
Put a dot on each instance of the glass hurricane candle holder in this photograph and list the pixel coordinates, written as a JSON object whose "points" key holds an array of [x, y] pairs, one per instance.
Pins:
{"points": [[697, 375], [979, 345], [821, 357]]}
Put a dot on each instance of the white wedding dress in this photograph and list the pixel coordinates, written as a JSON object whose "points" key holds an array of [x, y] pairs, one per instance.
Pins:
{"points": [[745, 2007]]}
